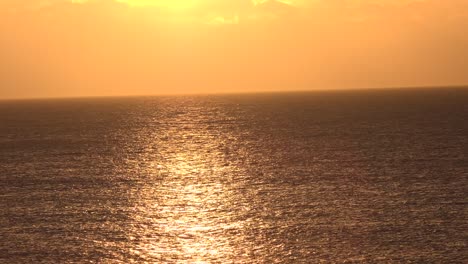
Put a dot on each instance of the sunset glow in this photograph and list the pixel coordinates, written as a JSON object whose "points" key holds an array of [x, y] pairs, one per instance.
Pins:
{"points": [[233, 131], [104, 47], [163, 3]]}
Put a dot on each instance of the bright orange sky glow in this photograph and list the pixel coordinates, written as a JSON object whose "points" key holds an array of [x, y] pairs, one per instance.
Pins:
{"points": [[61, 48]]}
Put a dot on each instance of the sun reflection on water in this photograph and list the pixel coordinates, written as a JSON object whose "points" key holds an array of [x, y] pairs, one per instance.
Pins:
{"points": [[186, 212]]}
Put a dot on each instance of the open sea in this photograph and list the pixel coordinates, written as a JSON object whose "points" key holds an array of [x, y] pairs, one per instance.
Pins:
{"points": [[376, 176]]}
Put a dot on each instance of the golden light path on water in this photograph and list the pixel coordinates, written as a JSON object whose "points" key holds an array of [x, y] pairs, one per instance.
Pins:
{"points": [[190, 207]]}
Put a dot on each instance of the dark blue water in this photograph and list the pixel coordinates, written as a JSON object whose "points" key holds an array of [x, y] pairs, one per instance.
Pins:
{"points": [[332, 177]]}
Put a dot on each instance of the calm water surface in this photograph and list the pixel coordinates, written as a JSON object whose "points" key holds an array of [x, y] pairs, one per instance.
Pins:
{"points": [[332, 177]]}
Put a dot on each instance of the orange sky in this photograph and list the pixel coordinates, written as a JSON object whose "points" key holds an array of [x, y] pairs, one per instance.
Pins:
{"points": [[60, 48]]}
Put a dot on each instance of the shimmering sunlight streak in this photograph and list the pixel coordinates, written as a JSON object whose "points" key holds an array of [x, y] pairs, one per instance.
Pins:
{"points": [[187, 207]]}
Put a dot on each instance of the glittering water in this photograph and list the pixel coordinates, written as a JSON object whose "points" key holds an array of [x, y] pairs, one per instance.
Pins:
{"points": [[364, 177]]}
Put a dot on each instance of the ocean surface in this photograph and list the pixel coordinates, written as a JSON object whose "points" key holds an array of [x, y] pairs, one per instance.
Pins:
{"points": [[322, 177]]}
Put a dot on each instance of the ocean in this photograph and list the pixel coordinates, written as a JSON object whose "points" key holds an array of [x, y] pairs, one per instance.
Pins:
{"points": [[371, 176]]}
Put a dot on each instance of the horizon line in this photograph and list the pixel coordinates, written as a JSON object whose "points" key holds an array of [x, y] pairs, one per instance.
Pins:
{"points": [[78, 97]]}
